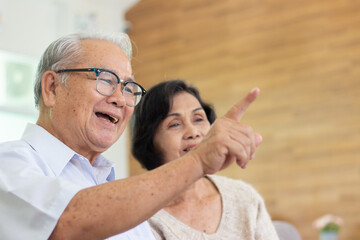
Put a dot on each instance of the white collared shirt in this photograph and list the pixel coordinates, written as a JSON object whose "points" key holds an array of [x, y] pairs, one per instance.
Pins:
{"points": [[39, 175]]}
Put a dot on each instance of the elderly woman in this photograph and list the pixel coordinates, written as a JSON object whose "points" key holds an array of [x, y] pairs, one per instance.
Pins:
{"points": [[169, 121]]}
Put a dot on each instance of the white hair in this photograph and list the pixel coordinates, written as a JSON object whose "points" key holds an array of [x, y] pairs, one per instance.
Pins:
{"points": [[66, 50]]}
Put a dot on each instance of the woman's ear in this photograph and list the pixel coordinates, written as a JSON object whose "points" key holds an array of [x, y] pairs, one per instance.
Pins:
{"points": [[48, 87]]}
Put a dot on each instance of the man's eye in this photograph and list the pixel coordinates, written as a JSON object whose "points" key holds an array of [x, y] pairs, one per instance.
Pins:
{"points": [[106, 81], [128, 90]]}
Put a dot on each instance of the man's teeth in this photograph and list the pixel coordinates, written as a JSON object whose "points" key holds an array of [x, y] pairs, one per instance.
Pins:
{"points": [[108, 117], [187, 149], [113, 119]]}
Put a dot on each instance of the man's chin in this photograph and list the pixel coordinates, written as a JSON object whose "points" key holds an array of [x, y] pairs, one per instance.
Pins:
{"points": [[101, 146]]}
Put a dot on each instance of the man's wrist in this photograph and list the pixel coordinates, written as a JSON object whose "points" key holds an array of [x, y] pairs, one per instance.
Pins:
{"points": [[196, 163]]}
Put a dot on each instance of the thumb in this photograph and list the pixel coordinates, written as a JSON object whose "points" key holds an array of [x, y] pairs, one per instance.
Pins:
{"points": [[238, 110]]}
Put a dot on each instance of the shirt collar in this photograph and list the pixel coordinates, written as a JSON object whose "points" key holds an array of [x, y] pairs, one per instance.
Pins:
{"points": [[55, 152], [104, 169]]}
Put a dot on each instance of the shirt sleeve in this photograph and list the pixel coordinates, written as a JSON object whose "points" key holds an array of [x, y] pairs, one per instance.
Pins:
{"points": [[32, 200]]}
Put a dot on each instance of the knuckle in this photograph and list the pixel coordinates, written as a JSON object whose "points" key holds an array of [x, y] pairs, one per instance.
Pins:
{"points": [[248, 129]]}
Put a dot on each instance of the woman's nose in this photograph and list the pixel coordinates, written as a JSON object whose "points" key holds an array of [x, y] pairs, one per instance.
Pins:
{"points": [[191, 132]]}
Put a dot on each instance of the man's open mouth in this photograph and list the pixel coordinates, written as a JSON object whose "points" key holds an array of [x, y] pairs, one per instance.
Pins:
{"points": [[107, 117]]}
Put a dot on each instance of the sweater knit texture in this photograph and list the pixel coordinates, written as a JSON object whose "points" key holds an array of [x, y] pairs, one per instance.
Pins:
{"points": [[244, 216]]}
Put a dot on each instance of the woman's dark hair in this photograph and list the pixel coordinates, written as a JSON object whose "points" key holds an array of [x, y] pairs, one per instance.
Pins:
{"points": [[150, 112]]}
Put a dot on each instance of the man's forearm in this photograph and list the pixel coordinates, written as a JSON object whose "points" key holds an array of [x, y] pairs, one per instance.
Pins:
{"points": [[105, 210], [111, 208]]}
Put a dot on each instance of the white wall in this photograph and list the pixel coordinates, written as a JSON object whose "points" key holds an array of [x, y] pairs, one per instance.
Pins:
{"points": [[27, 28]]}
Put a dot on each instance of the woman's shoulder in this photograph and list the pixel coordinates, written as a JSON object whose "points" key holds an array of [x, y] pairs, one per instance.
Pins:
{"points": [[234, 187], [227, 182]]}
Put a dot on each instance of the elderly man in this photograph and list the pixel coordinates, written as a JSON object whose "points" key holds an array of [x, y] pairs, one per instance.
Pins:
{"points": [[55, 184]]}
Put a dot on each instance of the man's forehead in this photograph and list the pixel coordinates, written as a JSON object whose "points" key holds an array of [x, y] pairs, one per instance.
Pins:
{"points": [[96, 51], [99, 46]]}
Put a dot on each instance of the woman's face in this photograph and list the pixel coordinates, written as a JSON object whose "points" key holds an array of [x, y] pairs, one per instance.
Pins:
{"points": [[183, 128]]}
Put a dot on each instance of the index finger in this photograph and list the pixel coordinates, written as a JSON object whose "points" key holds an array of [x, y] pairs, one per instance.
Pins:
{"points": [[238, 110]]}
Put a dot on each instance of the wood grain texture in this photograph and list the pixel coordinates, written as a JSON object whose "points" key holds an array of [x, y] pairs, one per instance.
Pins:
{"points": [[305, 58]]}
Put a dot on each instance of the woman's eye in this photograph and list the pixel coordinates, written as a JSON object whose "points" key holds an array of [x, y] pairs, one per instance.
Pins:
{"points": [[174, 125], [199, 119]]}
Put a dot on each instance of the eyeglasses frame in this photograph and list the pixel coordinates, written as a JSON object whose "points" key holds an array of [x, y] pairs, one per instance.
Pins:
{"points": [[97, 71]]}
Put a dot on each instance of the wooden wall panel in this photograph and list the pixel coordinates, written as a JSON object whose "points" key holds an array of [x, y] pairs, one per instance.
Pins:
{"points": [[305, 58]]}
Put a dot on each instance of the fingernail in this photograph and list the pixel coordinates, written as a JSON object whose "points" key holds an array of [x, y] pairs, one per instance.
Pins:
{"points": [[254, 89], [252, 156]]}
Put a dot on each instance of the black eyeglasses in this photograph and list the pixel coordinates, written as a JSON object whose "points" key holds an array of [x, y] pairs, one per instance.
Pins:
{"points": [[107, 81]]}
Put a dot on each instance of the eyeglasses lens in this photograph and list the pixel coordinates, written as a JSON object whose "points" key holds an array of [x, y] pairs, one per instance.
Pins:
{"points": [[106, 84], [132, 93]]}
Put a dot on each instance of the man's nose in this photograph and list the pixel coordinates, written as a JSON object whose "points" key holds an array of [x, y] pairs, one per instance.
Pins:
{"points": [[117, 98]]}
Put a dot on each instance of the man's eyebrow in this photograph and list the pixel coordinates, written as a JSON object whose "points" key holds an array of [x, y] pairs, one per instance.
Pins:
{"points": [[178, 114], [131, 78]]}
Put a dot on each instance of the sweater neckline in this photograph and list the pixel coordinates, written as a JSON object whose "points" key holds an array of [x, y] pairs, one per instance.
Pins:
{"points": [[189, 228]]}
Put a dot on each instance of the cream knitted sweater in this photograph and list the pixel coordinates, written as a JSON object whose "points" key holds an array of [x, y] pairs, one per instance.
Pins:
{"points": [[244, 217]]}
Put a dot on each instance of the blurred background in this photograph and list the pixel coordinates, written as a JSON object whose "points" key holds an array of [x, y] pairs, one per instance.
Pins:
{"points": [[303, 55], [26, 29]]}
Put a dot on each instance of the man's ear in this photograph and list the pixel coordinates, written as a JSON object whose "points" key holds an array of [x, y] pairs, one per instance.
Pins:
{"points": [[48, 87]]}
